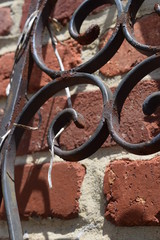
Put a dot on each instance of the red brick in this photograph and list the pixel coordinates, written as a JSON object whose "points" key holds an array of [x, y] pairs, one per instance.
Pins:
{"points": [[36, 199], [132, 190], [63, 10], [6, 63], [127, 56], [70, 53], [146, 30], [73, 137], [102, 8], [25, 10], [123, 61], [134, 127], [5, 20]]}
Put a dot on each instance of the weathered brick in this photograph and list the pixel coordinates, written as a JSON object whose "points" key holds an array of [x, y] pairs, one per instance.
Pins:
{"points": [[6, 63], [5, 20], [70, 53], [25, 10], [36, 199], [59, 12], [134, 126], [72, 137], [132, 190], [146, 30], [127, 57]]}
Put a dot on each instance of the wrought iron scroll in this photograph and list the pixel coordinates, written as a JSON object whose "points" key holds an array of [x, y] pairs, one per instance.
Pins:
{"points": [[19, 112]]}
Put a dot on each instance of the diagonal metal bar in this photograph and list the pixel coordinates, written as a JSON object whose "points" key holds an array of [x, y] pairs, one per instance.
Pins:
{"points": [[15, 103]]}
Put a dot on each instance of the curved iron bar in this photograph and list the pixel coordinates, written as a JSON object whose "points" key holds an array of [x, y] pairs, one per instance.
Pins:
{"points": [[96, 61], [151, 103], [122, 92], [128, 28], [112, 105], [13, 140]]}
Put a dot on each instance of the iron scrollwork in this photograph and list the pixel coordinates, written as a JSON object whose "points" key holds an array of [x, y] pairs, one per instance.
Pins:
{"points": [[18, 112]]}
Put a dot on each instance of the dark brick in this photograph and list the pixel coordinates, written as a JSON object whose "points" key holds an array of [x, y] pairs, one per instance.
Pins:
{"points": [[63, 10], [5, 20], [25, 10], [134, 127], [127, 56], [6, 63], [72, 137], [36, 199], [70, 53]]}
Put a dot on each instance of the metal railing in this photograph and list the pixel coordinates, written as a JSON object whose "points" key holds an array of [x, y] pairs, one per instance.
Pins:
{"points": [[19, 112]]}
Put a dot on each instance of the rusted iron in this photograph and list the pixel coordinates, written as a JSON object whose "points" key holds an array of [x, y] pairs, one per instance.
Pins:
{"points": [[89, 35], [20, 111]]}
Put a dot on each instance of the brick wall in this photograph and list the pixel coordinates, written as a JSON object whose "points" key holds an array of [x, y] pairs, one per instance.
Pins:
{"points": [[112, 189]]}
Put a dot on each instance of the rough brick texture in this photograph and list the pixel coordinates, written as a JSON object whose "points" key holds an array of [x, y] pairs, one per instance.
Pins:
{"points": [[73, 137], [36, 199], [70, 53], [132, 191], [6, 63], [5, 20], [59, 12], [127, 57], [135, 126], [25, 10]]}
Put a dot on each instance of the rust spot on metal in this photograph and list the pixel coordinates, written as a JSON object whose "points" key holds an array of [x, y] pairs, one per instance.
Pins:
{"points": [[89, 35]]}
